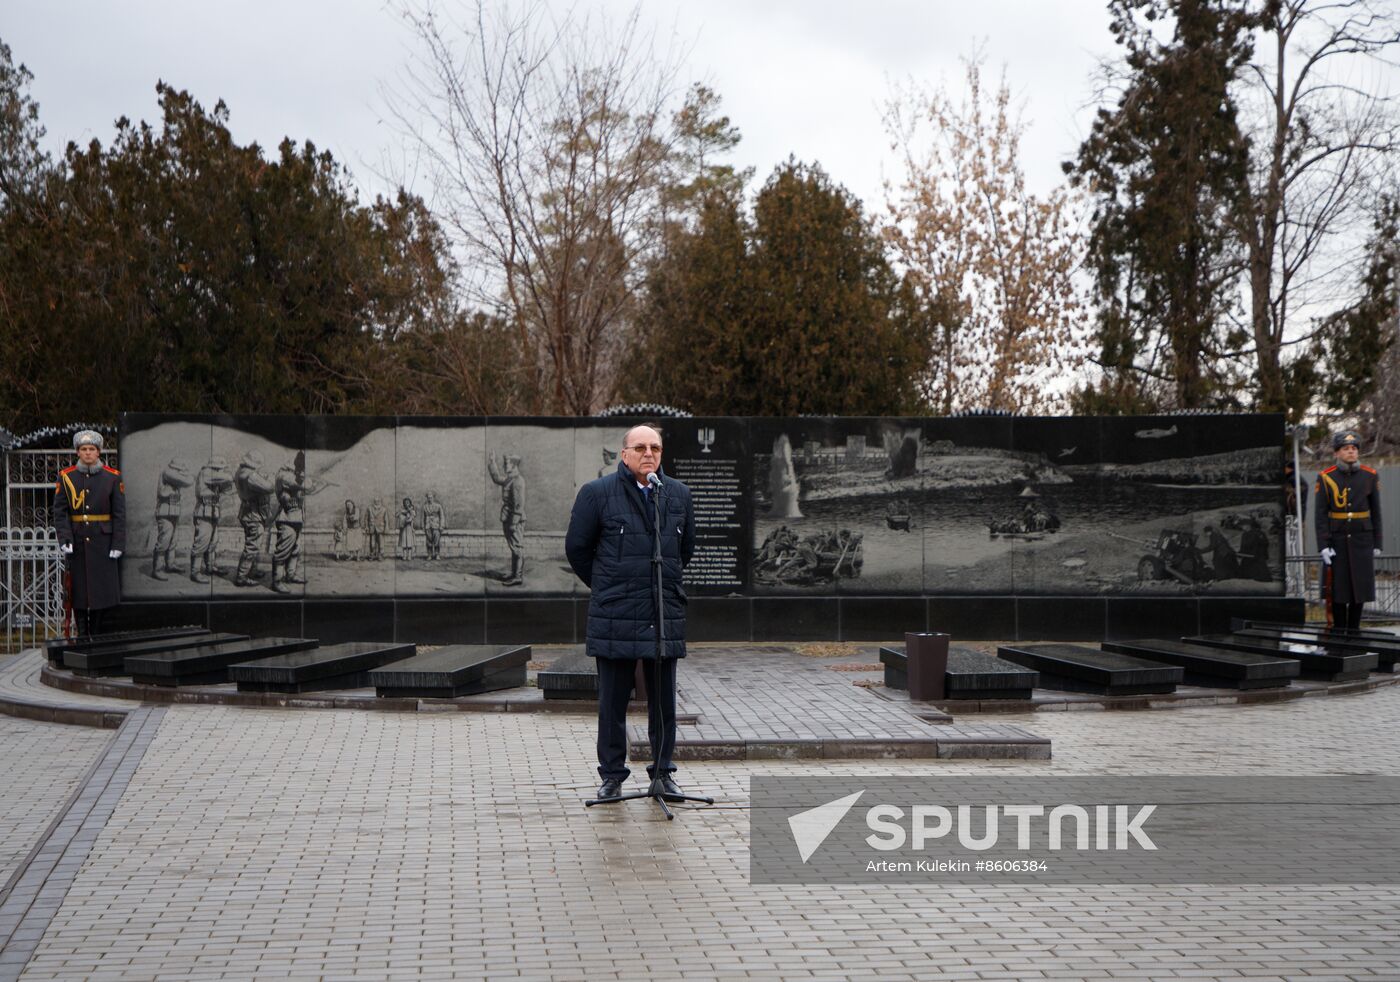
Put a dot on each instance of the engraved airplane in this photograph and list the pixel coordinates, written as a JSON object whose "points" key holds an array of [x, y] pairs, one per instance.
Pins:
{"points": [[1155, 434]]}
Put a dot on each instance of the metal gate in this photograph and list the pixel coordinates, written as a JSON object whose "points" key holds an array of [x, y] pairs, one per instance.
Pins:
{"points": [[1305, 580], [32, 587], [31, 590]]}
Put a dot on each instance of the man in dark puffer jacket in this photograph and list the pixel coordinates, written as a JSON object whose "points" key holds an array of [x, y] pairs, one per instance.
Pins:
{"points": [[609, 546]]}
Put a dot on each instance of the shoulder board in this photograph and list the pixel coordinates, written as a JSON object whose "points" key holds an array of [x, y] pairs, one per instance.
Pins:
{"points": [[1368, 470], [111, 470], [1329, 470], [69, 470]]}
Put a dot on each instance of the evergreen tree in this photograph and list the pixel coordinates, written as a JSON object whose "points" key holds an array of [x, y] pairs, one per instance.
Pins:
{"points": [[1165, 167], [794, 311], [177, 271]]}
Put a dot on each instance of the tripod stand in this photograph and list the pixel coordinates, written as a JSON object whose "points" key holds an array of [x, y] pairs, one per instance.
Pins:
{"points": [[655, 717]]}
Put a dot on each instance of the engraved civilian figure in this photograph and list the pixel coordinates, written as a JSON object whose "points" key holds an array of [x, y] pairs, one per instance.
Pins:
{"points": [[89, 512], [512, 483], [210, 485], [172, 480], [256, 510], [433, 518], [354, 535], [408, 513], [376, 527]]}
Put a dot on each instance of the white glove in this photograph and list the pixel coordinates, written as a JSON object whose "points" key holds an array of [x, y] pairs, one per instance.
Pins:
{"points": [[1376, 553], [115, 554], [1327, 555], [66, 548]]}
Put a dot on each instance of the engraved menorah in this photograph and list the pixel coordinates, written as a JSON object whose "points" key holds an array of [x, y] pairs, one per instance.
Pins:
{"points": [[706, 436]]}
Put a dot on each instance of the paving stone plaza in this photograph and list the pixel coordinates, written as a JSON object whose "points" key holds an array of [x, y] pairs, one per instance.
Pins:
{"points": [[218, 842]]}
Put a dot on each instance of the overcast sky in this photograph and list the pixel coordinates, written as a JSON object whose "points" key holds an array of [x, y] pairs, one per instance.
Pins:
{"points": [[798, 77]]}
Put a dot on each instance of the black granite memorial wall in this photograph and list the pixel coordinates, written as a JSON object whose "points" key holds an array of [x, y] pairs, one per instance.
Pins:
{"points": [[401, 528]]}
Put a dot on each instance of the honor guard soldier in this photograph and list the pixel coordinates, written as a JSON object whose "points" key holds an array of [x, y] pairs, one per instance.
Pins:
{"points": [[1348, 526], [89, 512]]}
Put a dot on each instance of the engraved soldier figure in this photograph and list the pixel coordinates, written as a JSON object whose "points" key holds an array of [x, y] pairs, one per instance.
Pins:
{"points": [[210, 485], [512, 484], [256, 510], [172, 480], [291, 487], [432, 525], [376, 527]]}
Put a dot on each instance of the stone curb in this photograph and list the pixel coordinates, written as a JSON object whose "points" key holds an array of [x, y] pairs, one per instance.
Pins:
{"points": [[1175, 700], [981, 747], [35, 891], [173, 695]]}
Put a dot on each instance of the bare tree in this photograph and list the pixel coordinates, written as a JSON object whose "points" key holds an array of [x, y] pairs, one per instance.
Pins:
{"points": [[1322, 139], [547, 141], [991, 263]]}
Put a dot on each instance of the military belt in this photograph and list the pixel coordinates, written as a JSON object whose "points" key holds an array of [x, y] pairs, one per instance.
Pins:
{"points": [[1348, 514], [94, 518]]}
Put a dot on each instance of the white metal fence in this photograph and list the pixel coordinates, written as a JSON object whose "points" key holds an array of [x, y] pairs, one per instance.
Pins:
{"points": [[30, 476], [32, 587], [1305, 580]]}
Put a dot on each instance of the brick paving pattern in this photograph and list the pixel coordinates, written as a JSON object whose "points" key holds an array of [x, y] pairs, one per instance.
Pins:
{"points": [[40, 884], [339, 844], [42, 764]]}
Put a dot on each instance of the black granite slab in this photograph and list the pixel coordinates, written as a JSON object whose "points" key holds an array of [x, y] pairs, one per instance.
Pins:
{"points": [[1151, 617], [54, 648], [970, 675], [1077, 668], [1386, 647], [258, 618], [1386, 653], [882, 618], [1217, 613], [1217, 668], [456, 670], [1246, 624], [1061, 618], [338, 666], [111, 659], [571, 676], [973, 618], [207, 664], [1316, 661]]}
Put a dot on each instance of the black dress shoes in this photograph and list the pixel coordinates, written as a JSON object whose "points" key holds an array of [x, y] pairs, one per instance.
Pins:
{"points": [[666, 787], [610, 788]]}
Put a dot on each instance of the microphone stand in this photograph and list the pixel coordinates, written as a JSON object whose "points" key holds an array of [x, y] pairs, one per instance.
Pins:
{"points": [[655, 718]]}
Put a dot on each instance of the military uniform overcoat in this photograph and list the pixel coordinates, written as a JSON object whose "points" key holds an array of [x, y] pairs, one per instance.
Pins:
{"points": [[1348, 519], [89, 512]]}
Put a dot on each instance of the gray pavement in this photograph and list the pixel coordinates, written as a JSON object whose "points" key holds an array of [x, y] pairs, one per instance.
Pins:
{"points": [[40, 766], [329, 844]]}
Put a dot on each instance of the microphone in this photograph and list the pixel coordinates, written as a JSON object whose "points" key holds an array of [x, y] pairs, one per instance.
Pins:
{"points": [[653, 480]]}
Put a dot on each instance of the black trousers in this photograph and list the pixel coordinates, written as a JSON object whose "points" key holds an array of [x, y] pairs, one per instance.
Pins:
{"points": [[1346, 615], [615, 677]]}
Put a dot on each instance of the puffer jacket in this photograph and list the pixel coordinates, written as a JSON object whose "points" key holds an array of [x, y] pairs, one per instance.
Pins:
{"points": [[609, 545]]}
